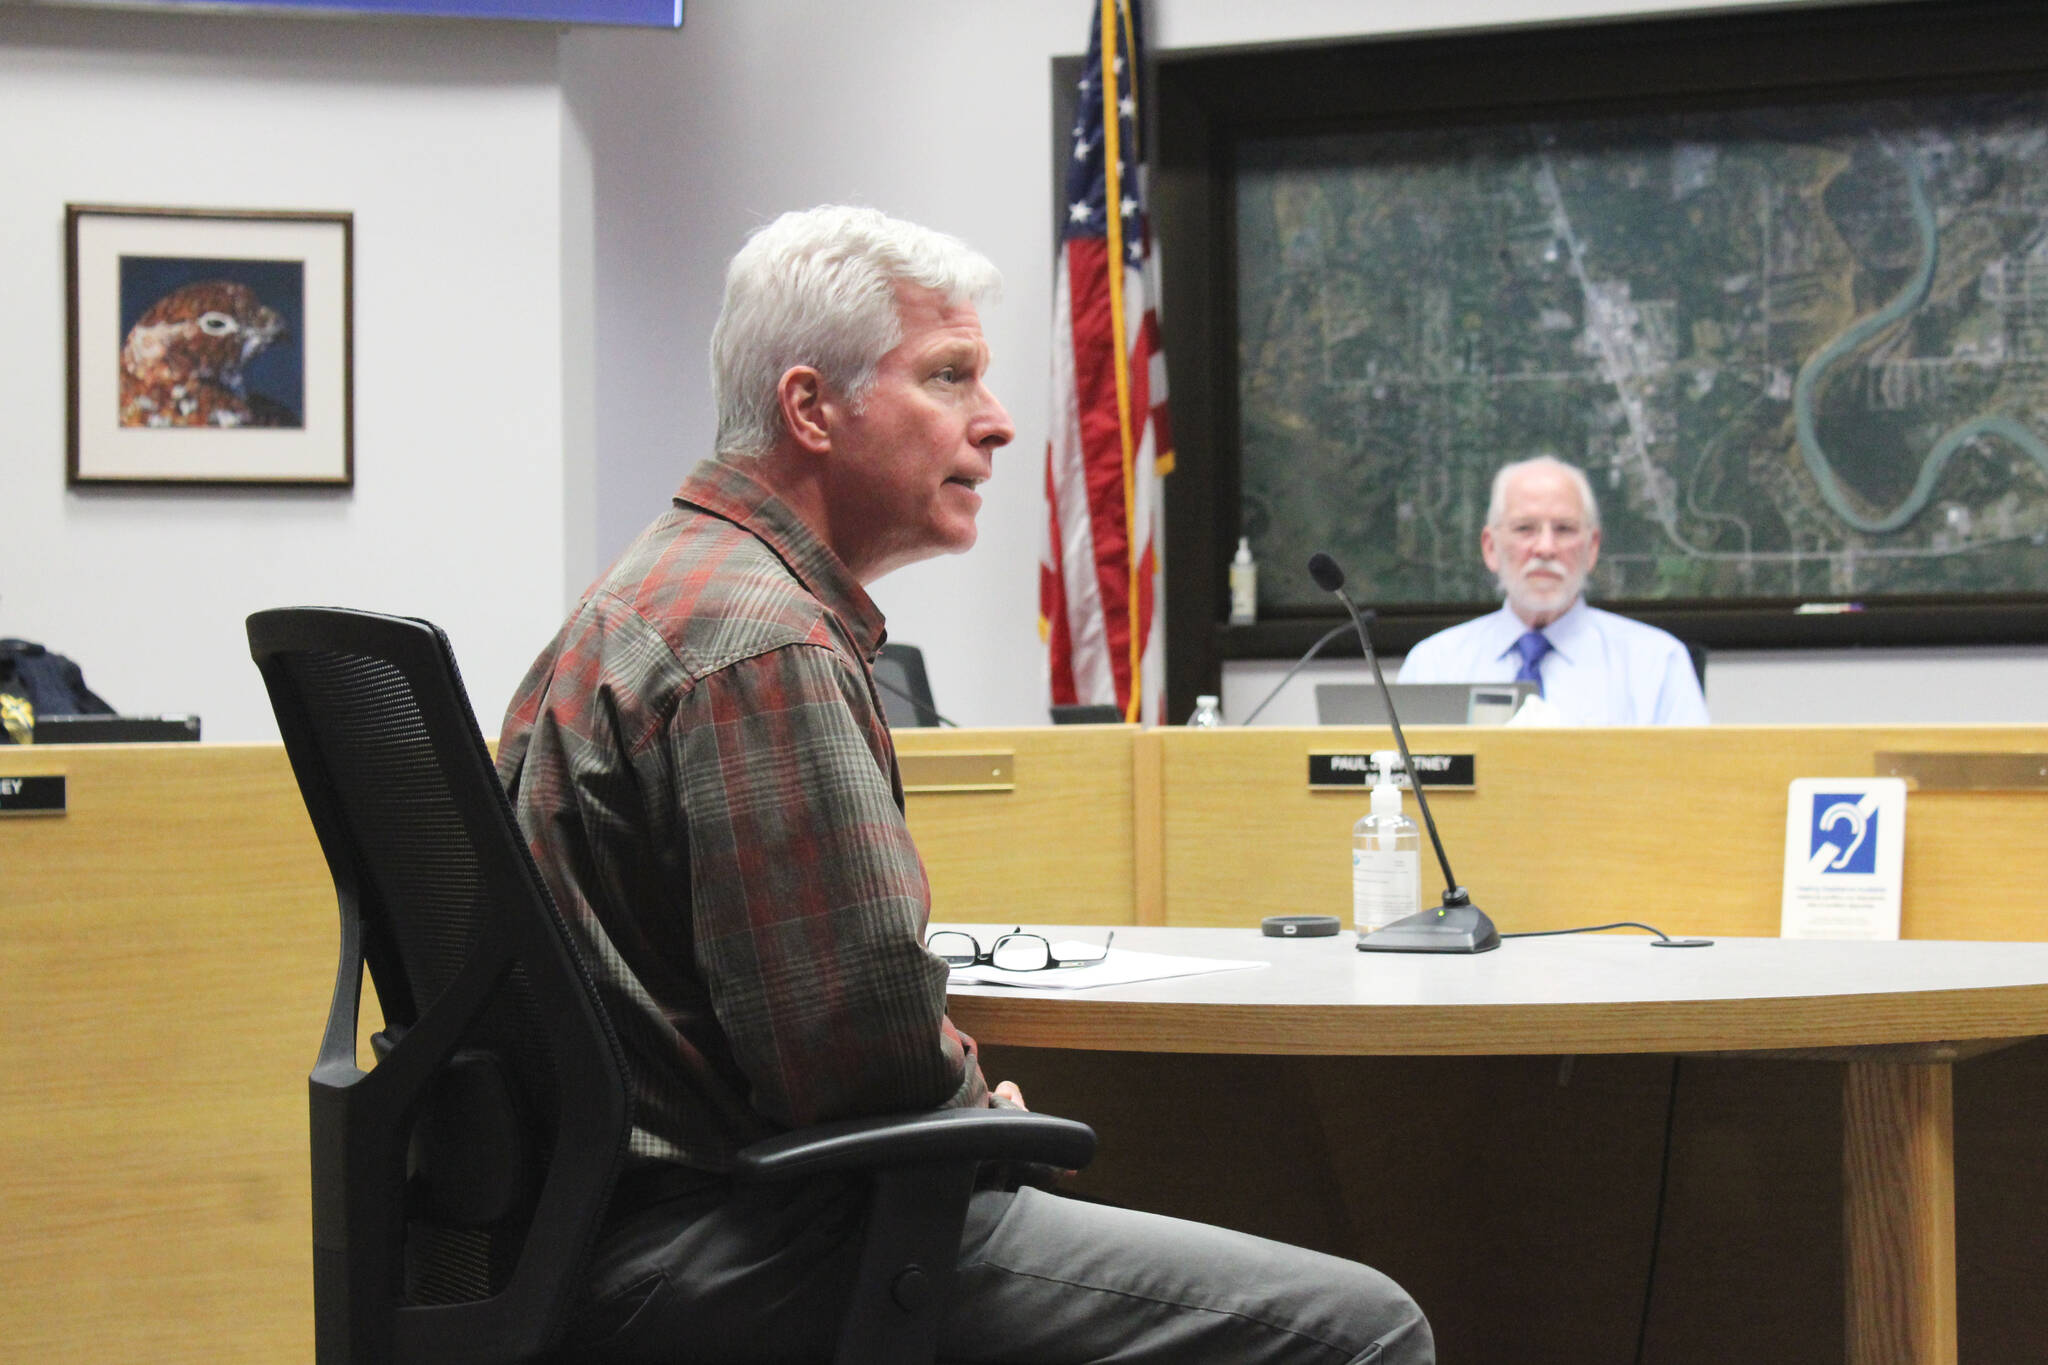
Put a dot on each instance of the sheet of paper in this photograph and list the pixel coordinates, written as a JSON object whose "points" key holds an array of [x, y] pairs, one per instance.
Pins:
{"points": [[1845, 840], [1122, 967]]}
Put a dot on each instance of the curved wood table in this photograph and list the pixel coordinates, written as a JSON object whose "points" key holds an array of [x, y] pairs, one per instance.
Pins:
{"points": [[1895, 1014]]}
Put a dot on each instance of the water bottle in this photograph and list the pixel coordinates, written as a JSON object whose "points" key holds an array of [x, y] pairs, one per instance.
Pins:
{"points": [[1386, 858], [1208, 714]]}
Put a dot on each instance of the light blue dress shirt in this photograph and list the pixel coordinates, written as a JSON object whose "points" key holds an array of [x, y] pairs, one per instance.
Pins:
{"points": [[1602, 669]]}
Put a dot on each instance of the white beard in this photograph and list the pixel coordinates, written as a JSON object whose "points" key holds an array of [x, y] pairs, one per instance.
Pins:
{"points": [[1530, 599]]}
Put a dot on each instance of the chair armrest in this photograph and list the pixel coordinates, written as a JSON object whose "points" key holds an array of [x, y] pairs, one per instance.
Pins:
{"points": [[918, 1139]]}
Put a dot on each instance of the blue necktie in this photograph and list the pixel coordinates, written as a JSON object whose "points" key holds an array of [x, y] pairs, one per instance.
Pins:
{"points": [[1532, 647]]}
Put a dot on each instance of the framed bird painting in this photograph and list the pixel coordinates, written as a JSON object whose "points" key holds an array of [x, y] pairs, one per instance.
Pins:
{"points": [[209, 346]]}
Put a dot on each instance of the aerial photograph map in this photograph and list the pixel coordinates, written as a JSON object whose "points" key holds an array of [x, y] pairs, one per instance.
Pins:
{"points": [[1801, 352]]}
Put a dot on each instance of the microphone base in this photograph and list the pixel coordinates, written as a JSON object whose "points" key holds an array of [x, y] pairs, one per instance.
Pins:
{"points": [[1445, 929]]}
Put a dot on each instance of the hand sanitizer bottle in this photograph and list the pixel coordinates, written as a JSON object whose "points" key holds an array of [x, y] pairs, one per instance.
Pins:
{"points": [[1386, 856], [1208, 714], [1244, 585]]}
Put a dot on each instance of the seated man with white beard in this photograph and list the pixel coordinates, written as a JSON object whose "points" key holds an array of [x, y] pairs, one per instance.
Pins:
{"points": [[1542, 537]]}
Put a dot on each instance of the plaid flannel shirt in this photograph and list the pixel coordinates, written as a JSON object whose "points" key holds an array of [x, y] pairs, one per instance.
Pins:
{"points": [[702, 770]]}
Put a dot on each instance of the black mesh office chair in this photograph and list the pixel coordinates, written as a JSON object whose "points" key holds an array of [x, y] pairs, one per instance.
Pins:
{"points": [[906, 689], [459, 1183]]}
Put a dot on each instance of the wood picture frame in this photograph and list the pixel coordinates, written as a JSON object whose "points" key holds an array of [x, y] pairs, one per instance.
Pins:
{"points": [[209, 347]]}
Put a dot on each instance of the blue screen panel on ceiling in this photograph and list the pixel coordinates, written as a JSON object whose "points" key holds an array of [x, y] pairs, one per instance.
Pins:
{"points": [[647, 13]]}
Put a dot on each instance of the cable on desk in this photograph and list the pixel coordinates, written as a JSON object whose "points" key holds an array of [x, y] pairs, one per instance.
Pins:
{"points": [[1663, 940]]}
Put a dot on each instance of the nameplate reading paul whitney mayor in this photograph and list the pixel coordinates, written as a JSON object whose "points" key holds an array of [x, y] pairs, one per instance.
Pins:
{"points": [[1457, 771], [32, 795]]}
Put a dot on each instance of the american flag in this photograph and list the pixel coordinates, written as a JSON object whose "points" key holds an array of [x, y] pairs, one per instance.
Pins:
{"points": [[1100, 582]]}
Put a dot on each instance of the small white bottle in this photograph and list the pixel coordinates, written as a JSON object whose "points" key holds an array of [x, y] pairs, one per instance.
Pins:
{"points": [[1208, 714], [1386, 857], [1244, 585]]}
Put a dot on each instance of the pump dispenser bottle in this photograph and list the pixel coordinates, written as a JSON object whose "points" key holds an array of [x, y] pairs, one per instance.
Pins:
{"points": [[1244, 585], [1386, 856]]}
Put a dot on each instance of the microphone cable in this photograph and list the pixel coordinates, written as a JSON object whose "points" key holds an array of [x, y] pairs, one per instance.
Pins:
{"points": [[1663, 940], [1332, 633]]}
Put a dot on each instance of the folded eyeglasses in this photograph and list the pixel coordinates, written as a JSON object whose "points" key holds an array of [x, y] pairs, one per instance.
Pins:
{"points": [[1015, 951]]}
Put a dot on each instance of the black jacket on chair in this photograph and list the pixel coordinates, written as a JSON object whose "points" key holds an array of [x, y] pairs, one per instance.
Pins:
{"points": [[50, 683]]}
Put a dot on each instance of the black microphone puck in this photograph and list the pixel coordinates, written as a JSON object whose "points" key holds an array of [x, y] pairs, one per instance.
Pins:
{"points": [[1298, 926]]}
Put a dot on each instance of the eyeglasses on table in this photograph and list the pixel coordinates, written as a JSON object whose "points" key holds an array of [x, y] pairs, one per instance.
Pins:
{"points": [[1015, 951]]}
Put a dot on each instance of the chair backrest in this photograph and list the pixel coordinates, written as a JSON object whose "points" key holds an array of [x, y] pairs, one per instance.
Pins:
{"points": [[459, 1182], [906, 691]]}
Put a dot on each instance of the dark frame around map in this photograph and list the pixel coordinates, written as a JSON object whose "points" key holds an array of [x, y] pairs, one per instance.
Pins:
{"points": [[1413, 98]]}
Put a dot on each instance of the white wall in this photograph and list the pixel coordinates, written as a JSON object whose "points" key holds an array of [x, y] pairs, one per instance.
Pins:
{"points": [[1228, 23], [937, 113], [446, 143], [942, 114], [542, 224]]}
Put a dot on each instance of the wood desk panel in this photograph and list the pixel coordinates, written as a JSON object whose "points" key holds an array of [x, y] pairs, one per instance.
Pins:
{"points": [[167, 948], [1061, 846], [1683, 828]]}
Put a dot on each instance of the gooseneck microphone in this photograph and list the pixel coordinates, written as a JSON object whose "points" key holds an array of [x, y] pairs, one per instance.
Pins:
{"points": [[1456, 926]]}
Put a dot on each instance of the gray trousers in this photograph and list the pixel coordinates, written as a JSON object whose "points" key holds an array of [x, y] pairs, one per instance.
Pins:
{"points": [[761, 1274]]}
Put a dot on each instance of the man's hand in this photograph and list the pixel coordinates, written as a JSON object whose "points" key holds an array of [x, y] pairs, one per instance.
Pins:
{"points": [[1006, 1095]]}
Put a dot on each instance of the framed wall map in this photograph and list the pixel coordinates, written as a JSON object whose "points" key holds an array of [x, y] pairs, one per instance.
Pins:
{"points": [[1801, 352], [1777, 282]]}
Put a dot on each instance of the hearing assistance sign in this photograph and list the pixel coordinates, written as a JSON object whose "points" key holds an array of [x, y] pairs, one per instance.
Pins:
{"points": [[1845, 840]]}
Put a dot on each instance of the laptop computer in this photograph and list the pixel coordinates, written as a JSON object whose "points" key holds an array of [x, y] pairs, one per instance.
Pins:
{"points": [[1473, 703]]}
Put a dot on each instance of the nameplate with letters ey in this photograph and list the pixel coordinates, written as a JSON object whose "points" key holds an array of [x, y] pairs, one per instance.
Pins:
{"points": [[1458, 772], [32, 795]]}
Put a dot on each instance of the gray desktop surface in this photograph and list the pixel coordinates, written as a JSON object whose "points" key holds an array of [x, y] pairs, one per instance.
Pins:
{"points": [[1473, 703]]}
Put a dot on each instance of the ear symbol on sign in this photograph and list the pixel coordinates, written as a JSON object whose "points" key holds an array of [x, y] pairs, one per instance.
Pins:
{"points": [[1859, 827]]}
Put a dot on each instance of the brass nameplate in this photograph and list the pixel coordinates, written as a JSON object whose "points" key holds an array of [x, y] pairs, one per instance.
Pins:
{"points": [[994, 771], [32, 795], [1966, 772]]}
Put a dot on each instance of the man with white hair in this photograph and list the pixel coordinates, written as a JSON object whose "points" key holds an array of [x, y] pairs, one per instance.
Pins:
{"points": [[1541, 539], [703, 772]]}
